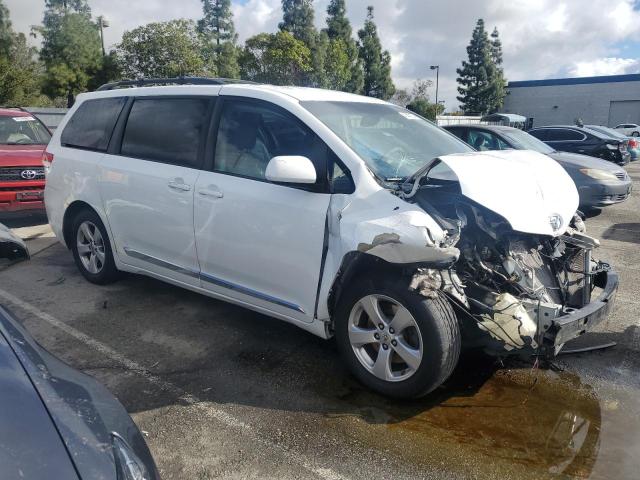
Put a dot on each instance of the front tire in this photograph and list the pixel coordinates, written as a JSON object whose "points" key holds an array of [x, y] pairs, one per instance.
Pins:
{"points": [[92, 250], [396, 341], [635, 134]]}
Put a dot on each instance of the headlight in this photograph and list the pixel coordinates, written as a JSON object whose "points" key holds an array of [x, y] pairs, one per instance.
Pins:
{"points": [[611, 146], [128, 465], [598, 174]]}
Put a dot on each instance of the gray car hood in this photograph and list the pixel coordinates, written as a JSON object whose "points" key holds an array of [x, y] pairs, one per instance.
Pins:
{"points": [[577, 161]]}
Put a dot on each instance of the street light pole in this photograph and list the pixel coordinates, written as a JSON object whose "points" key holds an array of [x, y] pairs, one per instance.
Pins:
{"points": [[102, 23], [437, 69]]}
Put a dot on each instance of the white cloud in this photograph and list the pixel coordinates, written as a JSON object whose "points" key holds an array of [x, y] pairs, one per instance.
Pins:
{"points": [[606, 66], [541, 39]]}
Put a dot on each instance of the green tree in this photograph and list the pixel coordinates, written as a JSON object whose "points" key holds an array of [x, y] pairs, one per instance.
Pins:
{"points": [[297, 19], [499, 83], [279, 59], [20, 71], [480, 79], [344, 68], [6, 30], [376, 62], [218, 28], [71, 49], [418, 100], [163, 49]]}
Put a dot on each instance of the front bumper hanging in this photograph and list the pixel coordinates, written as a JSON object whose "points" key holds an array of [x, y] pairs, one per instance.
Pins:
{"points": [[577, 322]]}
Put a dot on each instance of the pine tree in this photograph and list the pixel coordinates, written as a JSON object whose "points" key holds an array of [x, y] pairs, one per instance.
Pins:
{"points": [[297, 19], [343, 65], [376, 63], [481, 82], [499, 83], [218, 28], [6, 30]]}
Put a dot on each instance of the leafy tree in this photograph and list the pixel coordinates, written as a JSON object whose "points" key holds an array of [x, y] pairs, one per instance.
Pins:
{"points": [[71, 49], [344, 68], [279, 59], [218, 28], [163, 49], [418, 100], [480, 77], [376, 63]]}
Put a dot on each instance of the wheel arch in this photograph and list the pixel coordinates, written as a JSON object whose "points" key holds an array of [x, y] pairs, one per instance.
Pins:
{"points": [[70, 213]]}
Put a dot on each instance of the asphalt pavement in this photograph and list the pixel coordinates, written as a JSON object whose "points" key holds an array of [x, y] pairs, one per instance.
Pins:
{"points": [[223, 392]]}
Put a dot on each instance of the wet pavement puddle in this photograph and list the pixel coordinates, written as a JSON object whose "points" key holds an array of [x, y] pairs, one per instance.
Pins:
{"points": [[509, 421]]}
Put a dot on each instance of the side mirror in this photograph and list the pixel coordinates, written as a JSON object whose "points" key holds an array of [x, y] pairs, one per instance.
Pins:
{"points": [[291, 169], [12, 247]]}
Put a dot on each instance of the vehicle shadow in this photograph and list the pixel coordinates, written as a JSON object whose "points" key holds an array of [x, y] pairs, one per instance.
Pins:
{"points": [[221, 354], [623, 232], [15, 220]]}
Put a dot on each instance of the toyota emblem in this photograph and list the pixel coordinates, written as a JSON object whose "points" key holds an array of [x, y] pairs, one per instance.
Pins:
{"points": [[556, 222], [29, 174]]}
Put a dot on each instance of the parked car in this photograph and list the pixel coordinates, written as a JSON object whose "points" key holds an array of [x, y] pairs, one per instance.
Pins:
{"points": [[571, 138], [319, 208], [23, 138], [629, 129], [633, 145], [56, 422], [600, 183]]}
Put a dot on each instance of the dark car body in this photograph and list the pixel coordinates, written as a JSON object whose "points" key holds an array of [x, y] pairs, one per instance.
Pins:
{"points": [[593, 192], [23, 139], [583, 140], [632, 142], [56, 422]]}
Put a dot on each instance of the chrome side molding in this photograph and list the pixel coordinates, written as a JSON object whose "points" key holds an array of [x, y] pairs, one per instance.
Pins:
{"points": [[205, 277]]}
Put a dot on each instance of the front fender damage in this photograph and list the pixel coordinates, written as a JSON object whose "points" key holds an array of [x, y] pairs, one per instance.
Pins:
{"points": [[406, 238]]}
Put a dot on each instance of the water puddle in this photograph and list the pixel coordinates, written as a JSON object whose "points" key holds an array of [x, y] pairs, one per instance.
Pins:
{"points": [[507, 421]]}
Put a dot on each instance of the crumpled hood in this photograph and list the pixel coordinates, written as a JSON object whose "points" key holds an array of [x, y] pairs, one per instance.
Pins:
{"points": [[527, 188]]}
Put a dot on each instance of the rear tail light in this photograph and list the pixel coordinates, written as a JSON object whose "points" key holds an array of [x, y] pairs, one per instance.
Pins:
{"points": [[47, 160], [633, 143]]}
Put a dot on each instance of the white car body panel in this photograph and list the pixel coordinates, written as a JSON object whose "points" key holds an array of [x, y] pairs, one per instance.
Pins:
{"points": [[151, 221], [629, 131], [268, 239], [523, 186], [260, 240]]}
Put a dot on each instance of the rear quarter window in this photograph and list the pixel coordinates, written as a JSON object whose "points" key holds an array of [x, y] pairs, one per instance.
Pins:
{"points": [[92, 124]]}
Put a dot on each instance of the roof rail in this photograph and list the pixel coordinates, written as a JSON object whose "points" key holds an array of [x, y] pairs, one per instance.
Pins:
{"points": [[169, 81]]}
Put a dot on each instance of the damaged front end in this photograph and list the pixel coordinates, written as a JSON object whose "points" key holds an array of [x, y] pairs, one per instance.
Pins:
{"points": [[514, 291]]}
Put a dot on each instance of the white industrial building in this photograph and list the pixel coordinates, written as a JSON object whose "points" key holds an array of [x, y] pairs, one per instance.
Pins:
{"points": [[606, 100]]}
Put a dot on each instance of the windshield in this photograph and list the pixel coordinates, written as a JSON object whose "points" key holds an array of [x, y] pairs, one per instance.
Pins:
{"points": [[21, 130], [523, 141], [394, 142]]}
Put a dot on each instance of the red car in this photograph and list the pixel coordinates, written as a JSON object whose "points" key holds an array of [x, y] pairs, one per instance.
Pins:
{"points": [[23, 139]]}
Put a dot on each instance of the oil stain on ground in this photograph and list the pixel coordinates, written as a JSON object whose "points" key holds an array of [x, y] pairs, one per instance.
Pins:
{"points": [[495, 423]]}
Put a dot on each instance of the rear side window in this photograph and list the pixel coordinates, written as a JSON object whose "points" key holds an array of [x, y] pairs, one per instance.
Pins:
{"points": [[540, 134], [168, 130], [92, 124], [559, 134]]}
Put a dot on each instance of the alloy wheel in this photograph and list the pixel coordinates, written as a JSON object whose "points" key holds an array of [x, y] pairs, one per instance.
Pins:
{"points": [[90, 245], [385, 338]]}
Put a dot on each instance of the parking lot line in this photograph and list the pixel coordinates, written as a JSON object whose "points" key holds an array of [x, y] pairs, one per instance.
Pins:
{"points": [[220, 415]]}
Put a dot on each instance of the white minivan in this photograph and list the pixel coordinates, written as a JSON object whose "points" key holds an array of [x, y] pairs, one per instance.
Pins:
{"points": [[344, 215]]}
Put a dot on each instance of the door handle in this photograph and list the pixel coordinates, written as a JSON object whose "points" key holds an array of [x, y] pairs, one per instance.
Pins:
{"points": [[178, 184], [211, 191]]}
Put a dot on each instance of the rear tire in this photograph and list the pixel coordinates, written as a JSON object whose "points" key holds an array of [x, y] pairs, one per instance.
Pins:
{"points": [[92, 250], [635, 134], [417, 358]]}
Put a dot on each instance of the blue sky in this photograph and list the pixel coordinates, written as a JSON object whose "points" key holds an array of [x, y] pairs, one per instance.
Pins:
{"points": [[541, 38]]}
